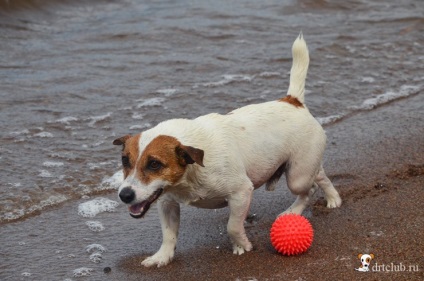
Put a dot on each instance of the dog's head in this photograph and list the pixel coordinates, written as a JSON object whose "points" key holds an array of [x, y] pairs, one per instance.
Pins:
{"points": [[151, 164], [365, 259]]}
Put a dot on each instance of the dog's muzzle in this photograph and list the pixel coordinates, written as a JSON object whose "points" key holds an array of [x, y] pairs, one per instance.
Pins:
{"points": [[138, 210]]}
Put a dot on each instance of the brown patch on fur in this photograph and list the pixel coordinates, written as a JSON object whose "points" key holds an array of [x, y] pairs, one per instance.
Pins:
{"points": [[130, 150], [292, 100], [121, 140], [172, 158]]}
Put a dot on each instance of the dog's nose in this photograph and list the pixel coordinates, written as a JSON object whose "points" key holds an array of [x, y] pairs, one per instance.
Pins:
{"points": [[127, 195]]}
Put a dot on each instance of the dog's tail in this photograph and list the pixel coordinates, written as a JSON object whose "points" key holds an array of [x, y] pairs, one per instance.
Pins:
{"points": [[299, 69]]}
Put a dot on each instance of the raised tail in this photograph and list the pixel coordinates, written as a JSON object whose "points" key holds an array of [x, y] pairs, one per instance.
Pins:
{"points": [[299, 69]]}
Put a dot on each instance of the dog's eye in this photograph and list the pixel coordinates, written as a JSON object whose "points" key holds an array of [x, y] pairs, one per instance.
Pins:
{"points": [[154, 165], [126, 162]]}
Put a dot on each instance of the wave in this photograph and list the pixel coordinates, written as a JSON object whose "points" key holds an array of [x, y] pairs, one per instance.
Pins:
{"points": [[227, 79], [108, 184], [404, 91], [372, 103]]}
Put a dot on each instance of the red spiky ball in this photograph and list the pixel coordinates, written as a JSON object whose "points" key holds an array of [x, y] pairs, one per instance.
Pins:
{"points": [[291, 234]]}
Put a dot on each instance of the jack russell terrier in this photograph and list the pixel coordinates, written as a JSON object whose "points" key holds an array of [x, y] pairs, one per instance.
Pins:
{"points": [[217, 160]]}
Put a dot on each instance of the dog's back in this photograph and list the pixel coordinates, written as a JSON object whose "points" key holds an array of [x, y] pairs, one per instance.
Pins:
{"points": [[259, 138], [263, 137]]}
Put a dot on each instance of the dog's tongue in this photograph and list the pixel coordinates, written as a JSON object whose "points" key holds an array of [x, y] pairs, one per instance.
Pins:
{"points": [[139, 208]]}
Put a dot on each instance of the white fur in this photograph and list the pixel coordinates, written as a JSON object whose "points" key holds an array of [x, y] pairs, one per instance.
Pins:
{"points": [[242, 151], [299, 69]]}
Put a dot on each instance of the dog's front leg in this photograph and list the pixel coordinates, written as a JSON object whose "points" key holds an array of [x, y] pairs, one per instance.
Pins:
{"points": [[169, 214], [239, 204]]}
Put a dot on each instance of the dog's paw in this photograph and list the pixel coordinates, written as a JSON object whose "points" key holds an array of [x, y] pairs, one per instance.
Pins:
{"points": [[334, 202], [239, 250], [159, 259]]}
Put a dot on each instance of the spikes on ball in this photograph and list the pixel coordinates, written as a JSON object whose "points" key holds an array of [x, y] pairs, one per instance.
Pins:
{"points": [[291, 234]]}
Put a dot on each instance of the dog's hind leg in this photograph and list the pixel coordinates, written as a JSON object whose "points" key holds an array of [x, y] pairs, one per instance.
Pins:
{"points": [[273, 180], [301, 202], [169, 214], [239, 203], [300, 175], [331, 194]]}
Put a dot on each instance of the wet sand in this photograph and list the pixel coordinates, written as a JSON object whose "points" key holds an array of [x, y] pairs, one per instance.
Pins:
{"points": [[376, 161]]}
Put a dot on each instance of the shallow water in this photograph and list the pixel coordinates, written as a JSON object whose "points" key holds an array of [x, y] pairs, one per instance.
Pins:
{"points": [[74, 75]]}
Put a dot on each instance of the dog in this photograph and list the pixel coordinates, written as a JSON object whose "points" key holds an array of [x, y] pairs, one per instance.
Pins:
{"points": [[365, 260], [217, 160]]}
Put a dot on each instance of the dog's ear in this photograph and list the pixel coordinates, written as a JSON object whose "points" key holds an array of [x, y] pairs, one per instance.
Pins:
{"points": [[372, 256], [359, 256], [121, 140], [189, 155]]}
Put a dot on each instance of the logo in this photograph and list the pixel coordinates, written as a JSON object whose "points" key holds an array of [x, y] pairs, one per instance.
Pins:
{"points": [[384, 267], [365, 262]]}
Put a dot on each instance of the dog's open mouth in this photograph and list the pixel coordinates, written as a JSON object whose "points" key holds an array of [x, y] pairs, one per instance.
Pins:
{"points": [[138, 210]]}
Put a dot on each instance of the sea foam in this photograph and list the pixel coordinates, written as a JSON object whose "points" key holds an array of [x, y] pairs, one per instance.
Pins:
{"points": [[45, 174], [228, 79], [95, 226], [140, 126], [167, 92], [44, 135], [83, 271], [269, 74], [95, 119], [53, 164], [51, 201], [95, 248], [329, 119], [67, 120], [96, 257], [405, 91], [137, 116], [150, 102], [91, 208], [112, 182], [18, 133]]}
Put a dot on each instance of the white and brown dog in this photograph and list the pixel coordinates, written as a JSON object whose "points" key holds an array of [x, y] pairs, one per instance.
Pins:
{"points": [[216, 160]]}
